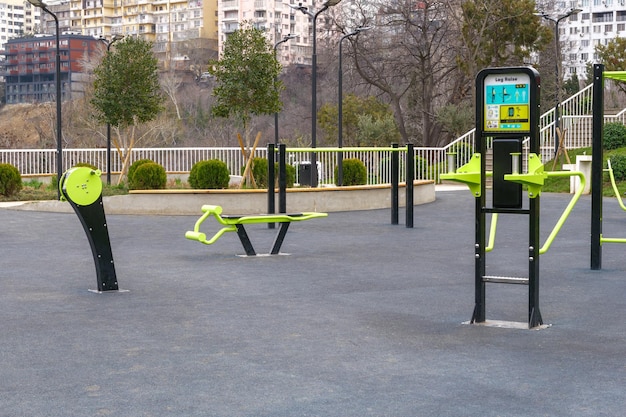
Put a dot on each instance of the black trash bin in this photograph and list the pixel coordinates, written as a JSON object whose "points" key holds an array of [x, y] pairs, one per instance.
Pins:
{"points": [[304, 173]]}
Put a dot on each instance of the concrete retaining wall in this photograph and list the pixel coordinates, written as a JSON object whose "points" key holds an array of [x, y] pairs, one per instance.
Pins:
{"points": [[189, 202]]}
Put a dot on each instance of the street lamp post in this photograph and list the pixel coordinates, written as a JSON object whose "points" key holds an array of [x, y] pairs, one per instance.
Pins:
{"points": [[114, 39], [286, 38], [40, 4], [314, 15], [340, 105], [557, 63]]}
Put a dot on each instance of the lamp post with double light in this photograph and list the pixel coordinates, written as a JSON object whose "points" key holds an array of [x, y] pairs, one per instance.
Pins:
{"points": [[108, 43], [314, 16], [557, 63], [340, 104], [40, 4], [286, 38]]}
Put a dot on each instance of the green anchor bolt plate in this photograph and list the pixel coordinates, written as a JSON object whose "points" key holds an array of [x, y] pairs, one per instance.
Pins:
{"points": [[83, 185]]}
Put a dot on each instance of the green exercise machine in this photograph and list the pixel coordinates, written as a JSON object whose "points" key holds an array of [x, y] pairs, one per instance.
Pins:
{"points": [[507, 117], [233, 223], [82, 188]]}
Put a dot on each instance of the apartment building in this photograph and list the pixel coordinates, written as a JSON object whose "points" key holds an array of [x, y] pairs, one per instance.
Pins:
{"points": [[278, 19], [597, 23], [29, 69], [17, 17], [178, 28]]}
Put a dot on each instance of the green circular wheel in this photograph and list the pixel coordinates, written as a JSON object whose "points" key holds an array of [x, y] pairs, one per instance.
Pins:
{"points": [[82, 185]]}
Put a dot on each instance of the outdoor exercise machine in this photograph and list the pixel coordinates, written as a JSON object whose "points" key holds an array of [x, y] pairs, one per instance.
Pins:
{"points": [[237, 224], [394, 167], [597, 238], [82, 188], [507, 117]]}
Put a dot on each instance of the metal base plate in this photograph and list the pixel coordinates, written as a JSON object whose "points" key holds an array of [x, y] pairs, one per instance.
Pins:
{"points": [[508, 325], [105, 292]]}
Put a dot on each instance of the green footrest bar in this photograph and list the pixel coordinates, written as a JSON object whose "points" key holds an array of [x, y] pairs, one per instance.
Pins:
{"points": [[233, 223]]}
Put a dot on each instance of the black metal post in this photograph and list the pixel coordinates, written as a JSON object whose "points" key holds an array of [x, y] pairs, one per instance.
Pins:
{"points": [[596, 167], [282, 178], [395, 168], [410, 176], [108, 44], [271, 181]]}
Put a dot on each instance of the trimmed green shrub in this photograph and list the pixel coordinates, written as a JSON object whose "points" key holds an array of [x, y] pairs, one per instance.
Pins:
{"points": [[614, 136], [421, 167], [10, 180], [618, 164], [148, 176], [134, 166], [210, 174], [354, 172], [259, 172], [86, 165]]}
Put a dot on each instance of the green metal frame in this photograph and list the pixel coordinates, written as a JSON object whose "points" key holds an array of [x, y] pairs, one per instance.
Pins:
{"points": [[619, 200], [236, 224]]}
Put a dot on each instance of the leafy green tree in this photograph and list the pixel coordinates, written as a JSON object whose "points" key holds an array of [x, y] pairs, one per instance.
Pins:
{"points": [[245, 77], [500, 32], [572, 85], [127, 92], [377, 128], [613, 56]]}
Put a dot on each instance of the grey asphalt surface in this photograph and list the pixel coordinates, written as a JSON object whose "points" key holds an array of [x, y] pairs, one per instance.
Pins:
{"points": [[361, 319]]}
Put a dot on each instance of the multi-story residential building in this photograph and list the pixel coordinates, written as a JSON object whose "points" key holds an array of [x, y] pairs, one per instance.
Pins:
{"points": [[178, 28], [30, 66], [17, 17], [598, 22], [277, 19]]}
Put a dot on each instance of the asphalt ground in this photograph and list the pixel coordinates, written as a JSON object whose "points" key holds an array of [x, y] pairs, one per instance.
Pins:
{"points": [[363, 318]]}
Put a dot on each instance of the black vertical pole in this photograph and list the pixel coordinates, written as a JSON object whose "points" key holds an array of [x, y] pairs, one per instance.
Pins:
{"points": [[282, 178], [410, 176], [479, 313], [534, 314], [534, 205], [271, 176], [596, 167], [395, 168]]}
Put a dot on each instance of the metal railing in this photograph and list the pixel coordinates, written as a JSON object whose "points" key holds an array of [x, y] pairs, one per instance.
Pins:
{"points": [[430, 163]]}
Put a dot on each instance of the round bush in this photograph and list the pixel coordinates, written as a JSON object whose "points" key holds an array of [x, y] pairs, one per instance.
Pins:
{"points": [[259, 171], [148, 176], [210, 174], [614, 136], [421, 167], [354, 172], [86, 165], [134, 166], [618, 164], [10, 180]]}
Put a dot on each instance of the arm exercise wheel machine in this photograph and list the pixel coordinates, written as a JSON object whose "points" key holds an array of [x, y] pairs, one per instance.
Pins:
{"points": [[82, 188]]}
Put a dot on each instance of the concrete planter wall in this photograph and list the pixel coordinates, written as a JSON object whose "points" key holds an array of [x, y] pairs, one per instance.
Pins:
{"points": [[234, 201]]}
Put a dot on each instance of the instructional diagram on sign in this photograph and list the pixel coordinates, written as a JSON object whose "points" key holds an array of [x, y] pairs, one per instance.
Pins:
{"points": [[507, 103]]}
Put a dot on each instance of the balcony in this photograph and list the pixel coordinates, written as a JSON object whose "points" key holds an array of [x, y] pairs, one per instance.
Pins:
{"points": [[229, 5], [230, 27]]}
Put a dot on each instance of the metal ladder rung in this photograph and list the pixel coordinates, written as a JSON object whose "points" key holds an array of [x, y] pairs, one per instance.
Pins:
{"points": [[505, 280]]}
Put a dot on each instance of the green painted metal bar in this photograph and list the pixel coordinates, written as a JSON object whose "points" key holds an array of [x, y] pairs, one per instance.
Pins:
{"points": [[492, 233], [567, 210], [610, 171], [352, 149]]}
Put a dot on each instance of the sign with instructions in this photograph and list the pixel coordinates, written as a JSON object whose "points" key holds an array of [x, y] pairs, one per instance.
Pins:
{"points": [[506, 103]]}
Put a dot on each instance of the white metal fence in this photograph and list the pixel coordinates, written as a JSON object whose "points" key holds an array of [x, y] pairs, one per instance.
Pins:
{"points": [[429, 162]]}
